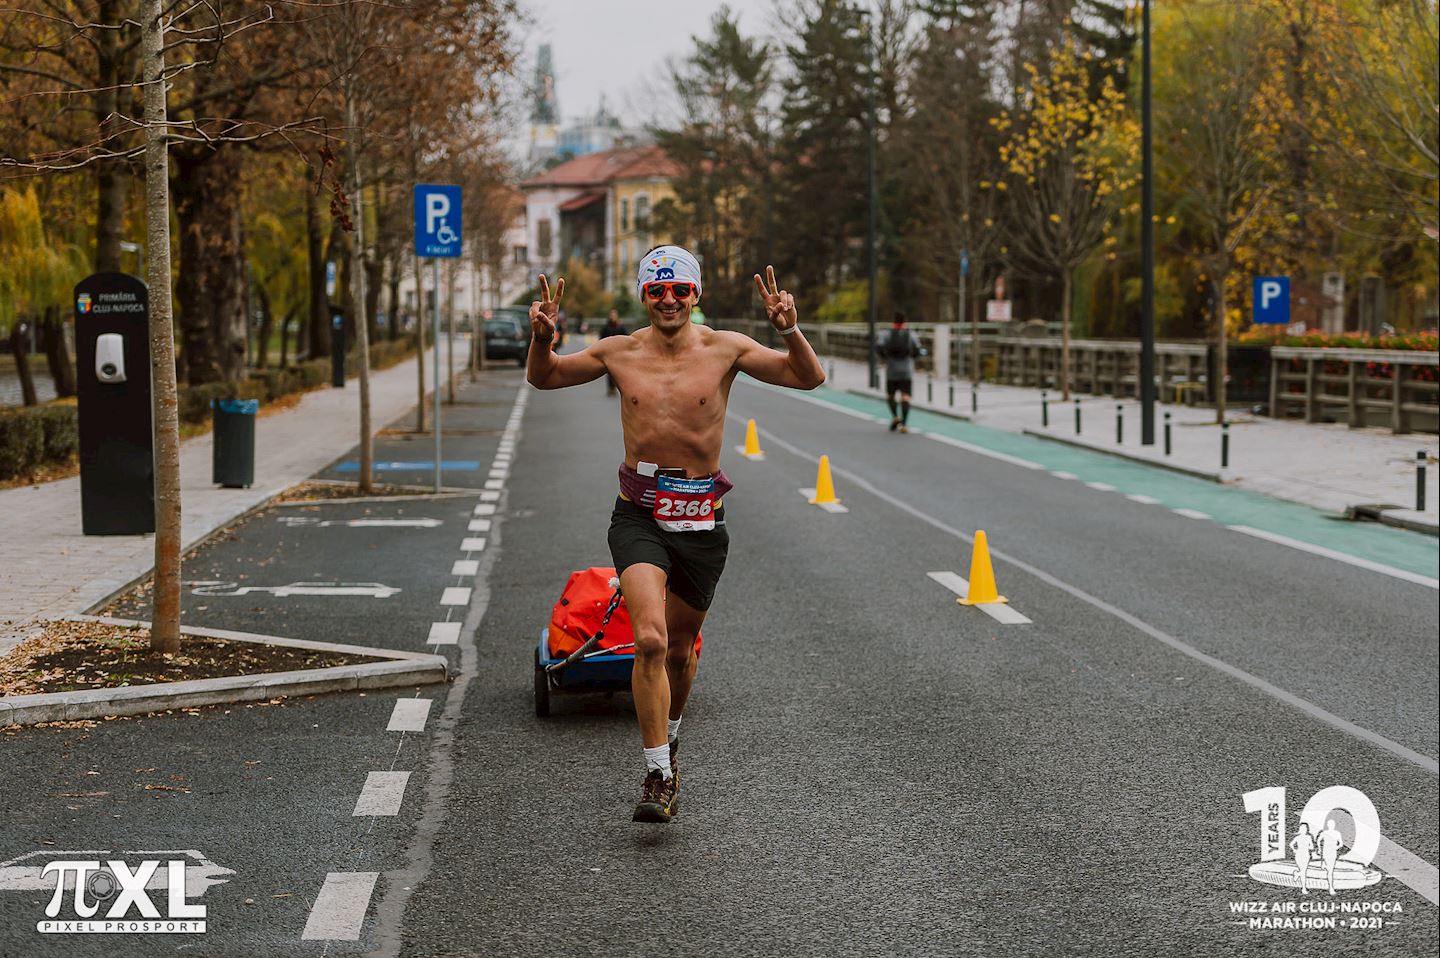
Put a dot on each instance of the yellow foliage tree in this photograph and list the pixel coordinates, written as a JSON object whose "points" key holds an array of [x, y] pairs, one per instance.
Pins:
{"points": [[35, 272], [1070, 152]]}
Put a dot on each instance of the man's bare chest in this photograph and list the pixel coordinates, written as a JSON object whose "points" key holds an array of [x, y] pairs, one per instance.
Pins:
{"points": [[694, 388]]}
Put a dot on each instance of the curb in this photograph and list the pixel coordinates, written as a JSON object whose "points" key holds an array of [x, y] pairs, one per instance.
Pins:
{"points": [[1220, 477], [914, 406], [397, 669], [1394, 516]]}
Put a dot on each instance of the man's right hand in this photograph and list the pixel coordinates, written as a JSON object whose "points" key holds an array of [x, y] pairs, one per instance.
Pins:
{"points": [[545, 312]]}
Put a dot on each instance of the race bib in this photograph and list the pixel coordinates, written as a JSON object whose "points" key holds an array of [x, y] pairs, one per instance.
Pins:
{"points": [[685, 505]]}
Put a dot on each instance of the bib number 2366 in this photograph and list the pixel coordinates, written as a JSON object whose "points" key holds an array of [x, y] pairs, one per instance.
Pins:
{"points": [[685, 505]]}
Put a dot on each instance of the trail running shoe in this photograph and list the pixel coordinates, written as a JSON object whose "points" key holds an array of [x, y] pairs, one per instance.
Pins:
{"points": [[674, 768], [659, 797], [895, 424], [904, 428]]}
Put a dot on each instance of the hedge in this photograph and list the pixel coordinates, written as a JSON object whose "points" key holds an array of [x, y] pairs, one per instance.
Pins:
{"points": [[35, 436]]}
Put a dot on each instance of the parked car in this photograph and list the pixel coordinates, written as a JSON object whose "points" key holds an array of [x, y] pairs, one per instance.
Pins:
{"points": [[507, 334]]}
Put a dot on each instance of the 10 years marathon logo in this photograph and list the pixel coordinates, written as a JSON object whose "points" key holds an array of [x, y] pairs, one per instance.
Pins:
{"points": [[1329, 858]]}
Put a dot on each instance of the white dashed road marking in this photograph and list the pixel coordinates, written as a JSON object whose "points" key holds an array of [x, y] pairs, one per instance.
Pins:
{"points": [[1191, 513], [465, 567], [485, 509], [409, 715], [1064, 475], [494, 483], [444, 633], [479, 525], [827, 506], [473, 544], [1101, 486], [456, 595], [382, 794], [339, 909], [999, 611], [1144, 500], [489, 495]]}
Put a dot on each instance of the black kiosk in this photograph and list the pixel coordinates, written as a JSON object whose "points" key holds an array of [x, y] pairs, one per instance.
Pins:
{"points": [[112, 353]]}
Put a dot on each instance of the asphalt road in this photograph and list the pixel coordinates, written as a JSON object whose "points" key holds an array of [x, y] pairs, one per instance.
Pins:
{"points": [[869, 768]]}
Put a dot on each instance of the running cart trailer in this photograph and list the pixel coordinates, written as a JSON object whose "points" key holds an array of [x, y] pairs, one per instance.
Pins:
{"points": [[588, 645]]}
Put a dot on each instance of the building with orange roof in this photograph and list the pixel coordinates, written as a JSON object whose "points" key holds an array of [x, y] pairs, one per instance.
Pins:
{"points": [[597, 209]]}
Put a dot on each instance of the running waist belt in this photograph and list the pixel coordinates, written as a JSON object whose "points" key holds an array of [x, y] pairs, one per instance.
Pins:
{"points": [[641, 489]]}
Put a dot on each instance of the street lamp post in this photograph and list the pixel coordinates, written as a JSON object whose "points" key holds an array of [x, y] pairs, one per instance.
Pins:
{"points": [[1147, 243], [870, 229]]}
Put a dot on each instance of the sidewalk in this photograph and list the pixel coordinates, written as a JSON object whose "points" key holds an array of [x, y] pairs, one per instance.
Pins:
{"points": [[48, 568], [1328, 466]]}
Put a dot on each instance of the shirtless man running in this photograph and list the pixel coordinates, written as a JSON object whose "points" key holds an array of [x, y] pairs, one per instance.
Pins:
{"points": [[667, 532]]}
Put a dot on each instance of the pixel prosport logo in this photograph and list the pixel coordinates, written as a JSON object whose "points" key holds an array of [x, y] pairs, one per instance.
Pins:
{"points": [[124, 897]]}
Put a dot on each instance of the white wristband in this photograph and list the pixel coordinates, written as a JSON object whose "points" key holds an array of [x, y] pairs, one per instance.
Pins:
{"points": [[792, 328]]}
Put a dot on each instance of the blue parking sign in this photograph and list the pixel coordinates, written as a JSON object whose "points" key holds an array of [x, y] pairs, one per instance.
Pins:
{"points": [[1272, 300], [437, 220]]}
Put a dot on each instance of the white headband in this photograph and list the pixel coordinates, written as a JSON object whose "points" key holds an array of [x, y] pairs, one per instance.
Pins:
{"points": [[672, 263]]}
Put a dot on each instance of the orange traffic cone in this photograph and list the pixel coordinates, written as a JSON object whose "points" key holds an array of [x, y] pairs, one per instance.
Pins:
{"points": [[824, 485], [982, 575], [752, 441]]}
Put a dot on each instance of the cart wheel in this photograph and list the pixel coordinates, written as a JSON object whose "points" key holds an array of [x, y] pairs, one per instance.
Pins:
{"points": [[542, 689]]}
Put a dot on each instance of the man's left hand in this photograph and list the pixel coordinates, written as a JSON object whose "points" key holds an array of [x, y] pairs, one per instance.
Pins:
{"points": [[779, 305]]}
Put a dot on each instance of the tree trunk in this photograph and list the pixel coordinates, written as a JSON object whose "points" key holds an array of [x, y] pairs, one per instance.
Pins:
{"points": [[318, 324], [357, 286], [112, 177], [267, 322], [165, 621], [57, 353], [285, 337], [211, 288], [374, 283], [392, 297], [19, 348], [1067, 283], [1222, 361]]}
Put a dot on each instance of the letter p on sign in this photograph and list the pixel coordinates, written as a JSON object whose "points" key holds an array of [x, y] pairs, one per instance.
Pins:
{"points": [[1272, 300], [437, 207]]}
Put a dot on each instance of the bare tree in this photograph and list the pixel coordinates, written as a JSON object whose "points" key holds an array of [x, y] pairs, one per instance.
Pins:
{"points": [[165, 621]]}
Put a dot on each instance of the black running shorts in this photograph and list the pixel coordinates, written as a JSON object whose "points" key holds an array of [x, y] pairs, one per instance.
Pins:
{"points": [[693, 561], [895, 385]]}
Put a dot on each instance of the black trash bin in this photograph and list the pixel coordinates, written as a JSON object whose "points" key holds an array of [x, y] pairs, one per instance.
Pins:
{"points": [[234, 460]]}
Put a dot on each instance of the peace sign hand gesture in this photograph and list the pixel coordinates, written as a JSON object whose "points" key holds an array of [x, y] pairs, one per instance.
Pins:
{"points": [[545, 312], [779, 305]]}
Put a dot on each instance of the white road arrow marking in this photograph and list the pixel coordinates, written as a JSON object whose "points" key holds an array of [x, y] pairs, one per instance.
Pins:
{"points": [[418, 523], [374, 590]]}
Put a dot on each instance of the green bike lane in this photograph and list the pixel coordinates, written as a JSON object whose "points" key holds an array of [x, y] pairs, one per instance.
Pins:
{"points": [[1408, 551]]}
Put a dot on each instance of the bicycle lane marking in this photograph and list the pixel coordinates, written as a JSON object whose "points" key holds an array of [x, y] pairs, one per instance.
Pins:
{"points": [[1381, 548]]}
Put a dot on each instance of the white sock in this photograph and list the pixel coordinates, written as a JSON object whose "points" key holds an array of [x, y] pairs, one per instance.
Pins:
{"points": [[673, 729], [657, 759]]}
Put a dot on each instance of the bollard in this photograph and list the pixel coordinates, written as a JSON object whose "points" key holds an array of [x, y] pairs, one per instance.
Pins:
{"points": [[1119, 424], [930, 388], [1077, 415], [1420, 481], [952, 394], [974, 400], [1167, 434], [1224, 445], [1044, 410]]}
